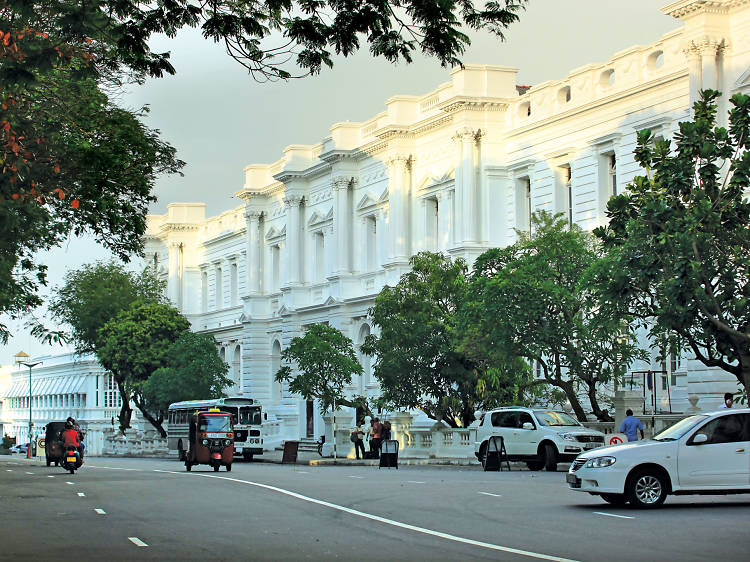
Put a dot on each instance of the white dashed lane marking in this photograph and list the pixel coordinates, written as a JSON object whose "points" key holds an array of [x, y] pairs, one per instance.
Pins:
{"points": [[414, 482], [100, 511], [136, 541], [613, 515], [8, 470], [82, 494], [29, 473], [71, 483], [493, 495], [356, 477], [50, 476]]}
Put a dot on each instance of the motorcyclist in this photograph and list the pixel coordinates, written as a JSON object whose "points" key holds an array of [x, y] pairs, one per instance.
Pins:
{"points": [[81, 447], [70, 436]]}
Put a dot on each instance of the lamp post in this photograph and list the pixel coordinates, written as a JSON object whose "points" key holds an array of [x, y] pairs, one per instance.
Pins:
{"points": [[20, 360]]}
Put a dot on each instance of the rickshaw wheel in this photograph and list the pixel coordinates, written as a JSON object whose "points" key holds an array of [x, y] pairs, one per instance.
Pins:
{"points": [[216, 468], [57, 463], [72, 470], [229, 468]]}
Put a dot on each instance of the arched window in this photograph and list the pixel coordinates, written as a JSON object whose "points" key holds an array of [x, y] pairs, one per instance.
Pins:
{"points": [[276, 387], [365, 361]]}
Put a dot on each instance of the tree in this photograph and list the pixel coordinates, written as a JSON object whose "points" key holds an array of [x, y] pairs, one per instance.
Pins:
{"points": [[135, 343], [194, 370], [531, 300], [71, 161], [418, 361], [325, 361], [679, 242], [95, 294]]}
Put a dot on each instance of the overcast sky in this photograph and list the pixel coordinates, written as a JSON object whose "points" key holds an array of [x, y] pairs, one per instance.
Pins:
{"points": [[220, 120]]}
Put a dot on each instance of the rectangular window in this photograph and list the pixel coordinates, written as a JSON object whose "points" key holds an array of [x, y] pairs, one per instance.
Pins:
{"points": [[204, 291], [523, 204], [431, 225], [276, 267], [219, 291], [371, 243], [569, 193], [564, 192], [320, 257], [234, 280], [612, 175]]}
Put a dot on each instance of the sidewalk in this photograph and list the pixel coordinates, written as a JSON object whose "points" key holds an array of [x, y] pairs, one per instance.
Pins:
{"points": [[314, 459]]}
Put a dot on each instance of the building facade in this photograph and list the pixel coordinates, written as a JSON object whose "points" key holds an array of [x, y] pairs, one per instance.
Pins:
{"points": [[457, 170], [61, 386]]}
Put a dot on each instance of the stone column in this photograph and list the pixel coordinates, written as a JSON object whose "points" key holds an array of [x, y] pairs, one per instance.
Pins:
{"points": [[709, 49], [252, 219], [444, 221], [173, 281], [466, 189], [292, 202], [398, 207], [341, 222]]}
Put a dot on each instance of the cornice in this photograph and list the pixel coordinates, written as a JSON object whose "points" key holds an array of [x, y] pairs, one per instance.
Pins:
{"points": [[683, 8], [473, 104]]}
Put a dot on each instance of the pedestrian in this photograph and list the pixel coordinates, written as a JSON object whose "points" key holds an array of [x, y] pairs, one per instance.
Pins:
{"points": [[357, 437], [630, 425], [728, 400], [386, 432], [375, 438]]}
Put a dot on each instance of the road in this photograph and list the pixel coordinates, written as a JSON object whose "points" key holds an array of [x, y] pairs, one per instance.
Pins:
{"points": [[143, 509]]}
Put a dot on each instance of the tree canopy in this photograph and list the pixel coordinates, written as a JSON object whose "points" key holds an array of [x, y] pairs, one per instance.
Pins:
{"points": [[137, 342], [325, 362], [531, 300], [419, 362], [194, 371], [679, 242]]}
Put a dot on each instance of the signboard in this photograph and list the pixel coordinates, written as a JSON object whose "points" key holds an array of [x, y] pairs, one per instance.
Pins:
{"points": [[290, 452], [616, 439], [40, 443]]}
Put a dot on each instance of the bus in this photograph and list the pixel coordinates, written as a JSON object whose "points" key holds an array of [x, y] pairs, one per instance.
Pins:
{"points": [[247, 415]]}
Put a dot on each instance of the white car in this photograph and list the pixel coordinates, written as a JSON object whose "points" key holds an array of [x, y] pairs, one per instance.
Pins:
{"points": [[702, 454], [541, 438]]}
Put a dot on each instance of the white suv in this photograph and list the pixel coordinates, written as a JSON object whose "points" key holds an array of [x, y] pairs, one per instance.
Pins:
{"points": [[701, 454], [542, 438]]}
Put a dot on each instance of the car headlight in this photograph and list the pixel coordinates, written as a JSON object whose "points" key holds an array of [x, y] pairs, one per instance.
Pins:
{"points": [[227, 442], [205, 442], [600, 462], [568, 436]]}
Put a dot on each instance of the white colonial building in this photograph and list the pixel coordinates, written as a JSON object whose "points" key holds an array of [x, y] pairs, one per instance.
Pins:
{"points": [[61, 386], [457, 170]]}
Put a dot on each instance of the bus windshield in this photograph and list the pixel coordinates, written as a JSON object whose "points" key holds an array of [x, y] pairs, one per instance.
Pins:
{"points": [[219, 424], [250, 415]]}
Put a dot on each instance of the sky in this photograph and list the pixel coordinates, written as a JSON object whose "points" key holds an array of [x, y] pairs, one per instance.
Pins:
{"points": [[220, 120]]}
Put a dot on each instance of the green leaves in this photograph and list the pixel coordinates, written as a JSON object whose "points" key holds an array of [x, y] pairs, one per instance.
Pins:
{"points": [[325, 362], [679, 243]]}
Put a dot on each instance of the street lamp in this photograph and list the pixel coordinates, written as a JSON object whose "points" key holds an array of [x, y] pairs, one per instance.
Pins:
{"points": [[20, 358]]}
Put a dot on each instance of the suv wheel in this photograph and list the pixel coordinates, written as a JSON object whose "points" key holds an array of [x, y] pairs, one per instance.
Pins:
{"points": [[646, 488], [483, 454], [549, 456]]}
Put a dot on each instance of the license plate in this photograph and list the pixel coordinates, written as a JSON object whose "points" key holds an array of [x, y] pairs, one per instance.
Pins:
{"points": [[571, 478], [71, 459], [590, 445], [238, 449]]}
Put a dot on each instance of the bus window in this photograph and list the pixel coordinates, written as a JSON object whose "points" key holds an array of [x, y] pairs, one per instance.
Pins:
{"points": [[250, 416]]}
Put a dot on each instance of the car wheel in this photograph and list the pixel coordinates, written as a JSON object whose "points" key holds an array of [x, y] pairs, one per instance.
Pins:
{"points": [[646, 489], [483, 454], [549, 454], [534, 465], [615, 499]]}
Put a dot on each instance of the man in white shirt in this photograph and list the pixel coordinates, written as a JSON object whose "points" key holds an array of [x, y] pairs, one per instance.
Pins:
{"points": [[728, 400]]}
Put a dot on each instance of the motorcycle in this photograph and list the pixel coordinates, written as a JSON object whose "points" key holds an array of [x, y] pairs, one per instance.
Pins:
{"points": [[71, 460]]}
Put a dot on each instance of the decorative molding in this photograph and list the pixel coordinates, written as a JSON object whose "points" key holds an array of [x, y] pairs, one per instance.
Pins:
{"points": [[293, 199], [683, 8], [274, 233]]}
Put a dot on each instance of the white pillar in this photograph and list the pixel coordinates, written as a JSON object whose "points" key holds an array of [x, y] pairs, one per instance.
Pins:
{"points": [[341, 222], [444, 221], [468, 185], [709, 76], [173, 281], [292, 203], [399, 193], [693, 56], [252, 219], [329, 249]]}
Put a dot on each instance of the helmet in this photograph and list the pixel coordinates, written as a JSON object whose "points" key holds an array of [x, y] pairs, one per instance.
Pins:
{"points": [[71, 420], [68, 425]]}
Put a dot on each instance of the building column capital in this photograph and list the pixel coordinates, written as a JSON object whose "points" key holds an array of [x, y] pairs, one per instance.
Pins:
{"points": [[293, 199]]}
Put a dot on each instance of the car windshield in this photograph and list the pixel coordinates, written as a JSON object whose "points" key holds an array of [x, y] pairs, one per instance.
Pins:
{"points": [[679, 429], [552, 418], [219, 424]]}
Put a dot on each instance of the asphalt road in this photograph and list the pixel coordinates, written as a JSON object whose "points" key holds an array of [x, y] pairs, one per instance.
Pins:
{"points": [[139, 509]]}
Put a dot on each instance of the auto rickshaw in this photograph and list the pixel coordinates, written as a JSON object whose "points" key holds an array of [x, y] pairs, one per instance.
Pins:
{"points": [[211, 439], [53, 449]]}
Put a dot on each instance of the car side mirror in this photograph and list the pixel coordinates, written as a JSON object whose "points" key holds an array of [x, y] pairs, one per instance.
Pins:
{"points": [[265, 415], [700, 438], [528, 425]]}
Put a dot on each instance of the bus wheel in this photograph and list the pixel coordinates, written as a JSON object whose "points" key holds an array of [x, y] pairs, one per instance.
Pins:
{"points": [[229, 468]]}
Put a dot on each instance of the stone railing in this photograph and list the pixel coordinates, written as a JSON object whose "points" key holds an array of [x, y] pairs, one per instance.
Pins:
{"points": [[134, 443]]}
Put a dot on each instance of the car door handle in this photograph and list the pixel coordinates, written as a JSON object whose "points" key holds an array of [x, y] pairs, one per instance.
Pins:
{"points": [[740, 451]]}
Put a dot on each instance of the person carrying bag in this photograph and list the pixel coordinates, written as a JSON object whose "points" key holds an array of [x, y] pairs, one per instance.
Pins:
{"points": [[357, 437]]}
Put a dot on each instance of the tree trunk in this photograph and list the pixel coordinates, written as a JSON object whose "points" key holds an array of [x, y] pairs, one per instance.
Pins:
{"points": [[744, 378], [126, 412], [151, 419], [598, 412], [570, 392]]}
